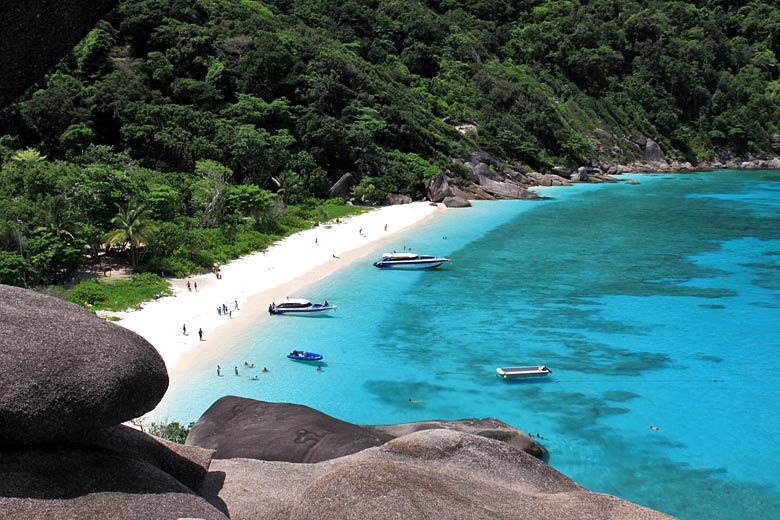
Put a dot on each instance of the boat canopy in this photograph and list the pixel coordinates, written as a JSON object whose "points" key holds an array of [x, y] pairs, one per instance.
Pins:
{"points": [[294, 302]]}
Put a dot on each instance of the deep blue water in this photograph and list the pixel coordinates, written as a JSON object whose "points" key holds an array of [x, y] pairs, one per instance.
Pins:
{"points": [[654, 305]]}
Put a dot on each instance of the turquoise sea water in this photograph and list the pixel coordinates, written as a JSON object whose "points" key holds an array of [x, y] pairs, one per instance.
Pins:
{"points": [[654, 305]]}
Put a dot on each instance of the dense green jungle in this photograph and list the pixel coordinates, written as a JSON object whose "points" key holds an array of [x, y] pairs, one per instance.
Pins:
{"points": [[180, 133]]}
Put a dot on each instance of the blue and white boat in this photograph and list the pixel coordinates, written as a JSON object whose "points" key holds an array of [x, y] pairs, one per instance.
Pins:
{"points": [[300, 307], [409, 261], [302, 355]]}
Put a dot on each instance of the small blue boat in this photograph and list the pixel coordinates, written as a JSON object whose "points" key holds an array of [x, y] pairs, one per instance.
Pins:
{"points": [[302, 355]]}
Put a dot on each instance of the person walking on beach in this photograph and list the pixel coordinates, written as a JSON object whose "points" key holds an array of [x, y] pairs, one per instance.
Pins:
{"points": [[196, 286], [200, 334], [189, 287], [236, 305], [184, 329]]}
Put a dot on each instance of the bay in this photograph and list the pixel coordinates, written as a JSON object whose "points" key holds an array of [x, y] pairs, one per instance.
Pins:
{"points": [[657, 306]]}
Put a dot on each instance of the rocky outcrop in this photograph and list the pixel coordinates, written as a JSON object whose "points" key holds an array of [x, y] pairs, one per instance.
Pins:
{"points": [[238, 427], [66, 372], [35, 35], [427, 474], [438, 188], [68, 380], [341, 189], [488, 428], [74, 483]]}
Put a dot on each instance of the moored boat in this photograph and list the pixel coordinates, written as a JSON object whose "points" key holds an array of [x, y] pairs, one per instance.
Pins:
{"points": [[523, 372], [302, 355], [409, 261], [300, 307]]}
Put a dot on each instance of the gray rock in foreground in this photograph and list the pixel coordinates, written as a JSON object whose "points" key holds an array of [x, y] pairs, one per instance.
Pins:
{"points": [[72, 483], [239, 427], [439, 474], [488, 428], [187, 464], [66, 372]]}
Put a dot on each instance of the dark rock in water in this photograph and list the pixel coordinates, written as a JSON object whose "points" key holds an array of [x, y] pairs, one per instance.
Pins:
{"points": [[72, 483], [34, 36], [438, 474], [239, 427], [187, 464], [66, 372], [394, 199], [488, 428], [456, 202], [342, 187]]}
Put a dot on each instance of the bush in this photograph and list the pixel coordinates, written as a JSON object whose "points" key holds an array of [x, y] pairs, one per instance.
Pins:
{"points": [[89, 294], [172, 431]]}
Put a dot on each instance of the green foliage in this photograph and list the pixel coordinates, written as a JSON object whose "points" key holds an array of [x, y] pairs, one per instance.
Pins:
{"points": [[119, 294], [217, 115], [172, 431]]}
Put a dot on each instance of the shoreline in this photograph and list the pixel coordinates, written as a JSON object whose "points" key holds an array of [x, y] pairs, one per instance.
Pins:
{"points": [[249, 283]]}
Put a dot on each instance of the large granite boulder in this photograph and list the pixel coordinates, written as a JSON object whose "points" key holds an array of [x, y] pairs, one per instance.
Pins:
{"points": [[456, 202], [239, 427], [438, 188], [36, 34], [342, 188], [440, 474], [488, 428], [187, 464], [653, 152], [395, 199], [81, 483], [66, 372]]}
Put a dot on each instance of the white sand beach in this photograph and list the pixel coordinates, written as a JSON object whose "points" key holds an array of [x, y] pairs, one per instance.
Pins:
{"points": [[248, 284]]}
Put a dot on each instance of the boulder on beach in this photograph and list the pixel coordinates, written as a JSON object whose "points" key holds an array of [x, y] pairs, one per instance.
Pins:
{"points": [[66, 372], [456, 202], [239, 427]]}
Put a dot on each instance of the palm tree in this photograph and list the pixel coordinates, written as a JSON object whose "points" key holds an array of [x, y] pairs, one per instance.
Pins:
{"points": [[54, 218], [133, 229]]}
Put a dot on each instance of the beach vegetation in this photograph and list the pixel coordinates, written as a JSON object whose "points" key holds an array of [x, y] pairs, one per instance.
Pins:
{"points": [[180, 137], [170, 431], [118, 294]]}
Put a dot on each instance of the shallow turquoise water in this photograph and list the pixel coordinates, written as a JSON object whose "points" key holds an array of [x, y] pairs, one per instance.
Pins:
{"points": [[654, 305]]}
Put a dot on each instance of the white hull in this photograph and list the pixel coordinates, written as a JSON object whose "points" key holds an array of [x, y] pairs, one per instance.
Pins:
{"points": [[523, 372]]}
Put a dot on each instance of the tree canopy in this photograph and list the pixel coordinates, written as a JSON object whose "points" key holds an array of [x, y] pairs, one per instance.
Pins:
{"points": [[209, 111]]}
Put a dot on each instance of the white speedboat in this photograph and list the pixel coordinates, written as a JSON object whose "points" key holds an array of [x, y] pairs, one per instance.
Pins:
{"points": [[409, 261], [523, 372], [300, 307]]}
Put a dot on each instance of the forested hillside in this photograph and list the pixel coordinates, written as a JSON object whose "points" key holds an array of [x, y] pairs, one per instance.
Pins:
{"points": [[198, 121]]}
